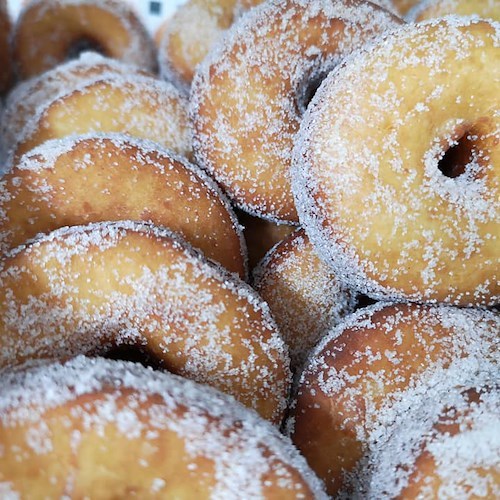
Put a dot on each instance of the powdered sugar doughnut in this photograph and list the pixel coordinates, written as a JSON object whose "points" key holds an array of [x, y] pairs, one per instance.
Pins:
{"points": [[448, 449], [87, 289], [114, 177], [419, 217], [248, 95], [135, 105], [104, 429], [5, 54], [22, 103], [305, 298], [190, 34], [49, 32], [378, 364], [429, 9]]}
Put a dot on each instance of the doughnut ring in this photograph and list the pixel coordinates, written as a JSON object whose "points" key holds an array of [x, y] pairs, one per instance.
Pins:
{"points": [[112, 429], [372, 368], [89, 289], [49, 32], [419, 218], [129, 179], [249, 94]]}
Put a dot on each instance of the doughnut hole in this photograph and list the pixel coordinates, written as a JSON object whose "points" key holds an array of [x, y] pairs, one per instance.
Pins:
{"points": [[85, 44], [468, 149]]}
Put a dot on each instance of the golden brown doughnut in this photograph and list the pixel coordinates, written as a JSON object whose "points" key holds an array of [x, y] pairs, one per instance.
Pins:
{"points": [[305, 298], [397, 165], [88, 289], [114, 177], [249, 94], [110, 429], [49, 32], [22, 103], [429, 9], [374, 366], [135, 105], [5, 52], [192, 31], [447, 448]]}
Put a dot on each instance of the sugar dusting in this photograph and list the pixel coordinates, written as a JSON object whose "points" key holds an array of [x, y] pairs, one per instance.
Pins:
{"points": [[246, 96], [305, 298], [148, 108], [373, 398], [419, 231], [24, 100], [85, 289], [135, 48], [243, 448], [41, 193], [460, 436]]}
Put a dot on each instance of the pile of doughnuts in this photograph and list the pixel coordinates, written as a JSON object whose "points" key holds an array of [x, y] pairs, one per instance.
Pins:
{"points": [[258, 259]]}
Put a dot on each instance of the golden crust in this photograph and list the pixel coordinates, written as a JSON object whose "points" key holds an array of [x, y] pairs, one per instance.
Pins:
{"points": [[348, 395], [135, 105], [115, 430], [49, 32], [5, 52], [116, 178], [403, 196], [305, 298], [248, 95], [87, 289]]}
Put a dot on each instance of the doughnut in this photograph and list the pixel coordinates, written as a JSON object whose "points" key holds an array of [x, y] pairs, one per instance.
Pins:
{"points": [[91, 289], [127, 179], [5, 53], [191, 32], [305, 298], [261, 235], [429, 9], [114, 429], [448, 448], [248, 95], [135, 105], [49, 32], [416, 219], [24, 100], [374, 366]]}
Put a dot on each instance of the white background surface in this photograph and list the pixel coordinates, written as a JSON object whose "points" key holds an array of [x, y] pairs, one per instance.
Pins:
{"points": [[141, 6]]}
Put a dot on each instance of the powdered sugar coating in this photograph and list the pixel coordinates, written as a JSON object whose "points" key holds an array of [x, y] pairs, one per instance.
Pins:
{"points": [[378, 364], [191, 33], [429, 9], [86, 289], [449, 446], [392, 225], [45, 27], [248, 454], [136, 105], [249, 93], [129, 179], [305, 298], [24, 100]]}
